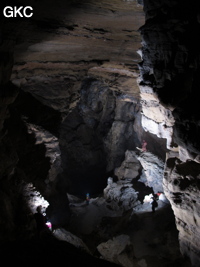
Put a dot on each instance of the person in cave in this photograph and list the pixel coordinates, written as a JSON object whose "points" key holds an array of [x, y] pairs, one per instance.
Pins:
{"points": [[144, 146], [40, 221], [87, 198], [154, 203]]}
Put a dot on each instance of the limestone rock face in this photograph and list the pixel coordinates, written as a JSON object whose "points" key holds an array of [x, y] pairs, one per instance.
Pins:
{"points": [[121, 195], [153, 168], [68, 116], [155, 118], [118, 250], [95, 135], [181, 183], [62, 234], [77, 110], [169, 85], [130, 167], [85, 69]]}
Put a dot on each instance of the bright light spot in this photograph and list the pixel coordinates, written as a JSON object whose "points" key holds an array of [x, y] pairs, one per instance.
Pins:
{"points": [[49, 225], [148, 198], [34, 198]]}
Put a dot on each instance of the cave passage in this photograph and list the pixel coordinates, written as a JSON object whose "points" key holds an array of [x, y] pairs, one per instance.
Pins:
{"points": [[72, 123]]}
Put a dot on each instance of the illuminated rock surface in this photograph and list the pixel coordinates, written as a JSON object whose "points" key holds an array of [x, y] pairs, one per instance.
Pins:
{"points": [[72, 115], [169, 83]]}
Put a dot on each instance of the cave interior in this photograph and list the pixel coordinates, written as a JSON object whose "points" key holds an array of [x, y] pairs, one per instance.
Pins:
{"points": [[99, 127]]}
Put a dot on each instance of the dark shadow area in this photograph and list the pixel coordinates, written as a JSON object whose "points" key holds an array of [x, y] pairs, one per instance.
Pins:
{"points": [[155, 145], [93, 181], [155, 233], [142, 189], [36, 112], [31, 157], [47, 252]]}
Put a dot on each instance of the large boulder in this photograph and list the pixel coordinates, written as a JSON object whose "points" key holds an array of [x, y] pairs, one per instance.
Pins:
{"points": [[121, 195], [130, 167], [118, 250], [153, 170]]}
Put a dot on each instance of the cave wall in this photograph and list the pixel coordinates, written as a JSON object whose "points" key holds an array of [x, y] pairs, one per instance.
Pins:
{"points": [[85, 101], [71, 66], [89, 79], [27, 164], [169, 86], [11, 201]]}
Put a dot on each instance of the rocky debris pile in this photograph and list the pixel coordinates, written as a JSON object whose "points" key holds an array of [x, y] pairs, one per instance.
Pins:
{"points": [[118, 250], [121, 195], [135, 237], [139, 175]]}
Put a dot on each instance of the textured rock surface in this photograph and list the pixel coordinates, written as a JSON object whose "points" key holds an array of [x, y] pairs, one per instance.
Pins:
{"points": [[118, 250], [130, 167], [121, 195], [92, 85], [131, 238], [153, 168], [169, 85], [182, 185], [76, 66], [155, 118], [62, 234]]}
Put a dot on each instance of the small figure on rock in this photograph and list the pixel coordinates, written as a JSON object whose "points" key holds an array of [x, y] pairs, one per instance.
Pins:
{"points": [[40, 221], [110, 181], [49, 225], [87, 198], [154, 203], [144, 146]]}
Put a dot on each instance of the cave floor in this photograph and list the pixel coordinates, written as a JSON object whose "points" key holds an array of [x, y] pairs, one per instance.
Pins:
{"points": [[153, 236]]}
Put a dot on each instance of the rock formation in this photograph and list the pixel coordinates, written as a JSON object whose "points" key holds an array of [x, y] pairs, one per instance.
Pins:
{"points": [[70, 115], [168, 84], [116, 250], [66, 104], [153, 169]]}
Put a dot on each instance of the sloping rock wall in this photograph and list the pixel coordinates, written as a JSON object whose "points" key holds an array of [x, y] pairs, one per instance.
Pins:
{"points": [[153, 168], [169, 86], [182, 185], [118, 250], [75, 99]]}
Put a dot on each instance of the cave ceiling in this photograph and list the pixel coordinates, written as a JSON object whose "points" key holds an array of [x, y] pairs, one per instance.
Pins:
{"points": [[76, 66], [65, 42]]}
